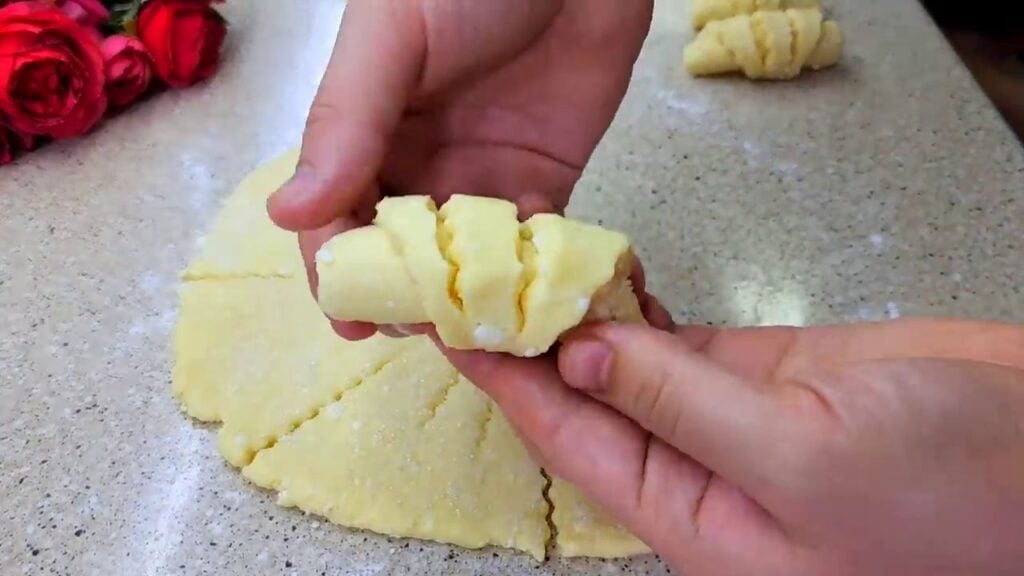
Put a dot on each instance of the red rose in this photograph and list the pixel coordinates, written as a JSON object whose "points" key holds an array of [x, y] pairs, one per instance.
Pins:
{"points": [[89, 13], [183, 37], [51, 72], [129, 69]]}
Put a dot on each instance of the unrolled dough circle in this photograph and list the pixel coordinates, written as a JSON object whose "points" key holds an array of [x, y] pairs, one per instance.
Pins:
{"points": [[381, 435]]}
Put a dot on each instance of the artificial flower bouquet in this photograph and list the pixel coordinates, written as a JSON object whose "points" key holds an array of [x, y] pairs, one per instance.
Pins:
{"points": [[67, 64]]}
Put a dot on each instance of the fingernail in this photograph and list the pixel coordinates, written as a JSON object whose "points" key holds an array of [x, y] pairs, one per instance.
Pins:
{"points": [[586, 365], [656, 314], [302, 183]]}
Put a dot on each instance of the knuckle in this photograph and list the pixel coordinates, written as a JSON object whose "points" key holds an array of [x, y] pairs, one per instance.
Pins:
{"points": [[655, 403], [559, 437], [322, 114], [820, 448]]}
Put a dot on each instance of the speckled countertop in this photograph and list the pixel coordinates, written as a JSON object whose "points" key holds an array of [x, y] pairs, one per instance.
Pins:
{"points": [[885, 187]]}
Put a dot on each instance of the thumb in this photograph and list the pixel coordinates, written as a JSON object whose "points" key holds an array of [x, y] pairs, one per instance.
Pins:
{"points": [[726, 423], [375, 65]]}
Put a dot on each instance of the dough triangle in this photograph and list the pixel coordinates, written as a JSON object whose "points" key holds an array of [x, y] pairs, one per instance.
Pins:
{"points": [[414, 450]]}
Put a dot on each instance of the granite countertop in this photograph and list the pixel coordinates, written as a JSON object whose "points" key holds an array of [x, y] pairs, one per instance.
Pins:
{"points": [[885, 187]]}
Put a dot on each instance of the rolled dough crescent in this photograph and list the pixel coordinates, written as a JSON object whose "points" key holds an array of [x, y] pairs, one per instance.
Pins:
{"points": [[382, 434]]}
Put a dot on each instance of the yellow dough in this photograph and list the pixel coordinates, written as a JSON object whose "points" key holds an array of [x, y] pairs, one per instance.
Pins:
{"points": [[283, 363], [381, 434], [767, 44], [243, 241], [485, 280], [438, 464], [705, 11], [583, 530]]}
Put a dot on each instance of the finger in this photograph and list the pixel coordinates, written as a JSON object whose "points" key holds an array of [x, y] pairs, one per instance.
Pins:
{"points": [[656, 314], [666, 498], [553, 417], [353, 330], [637, 275], [534, 203], [723, 421], [781, 353], [415, 329], [758, 354], [638, 479], [390, 331], [404, 330], [376, 62], [914, 338], [536, 183]]}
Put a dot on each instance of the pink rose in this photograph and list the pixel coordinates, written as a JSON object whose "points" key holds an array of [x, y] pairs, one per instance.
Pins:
{"points": [[129, 69], [91, 13]]}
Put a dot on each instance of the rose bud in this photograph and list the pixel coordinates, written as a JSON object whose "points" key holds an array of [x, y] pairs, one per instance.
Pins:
{"points": [[129, 69], [183, 37]]}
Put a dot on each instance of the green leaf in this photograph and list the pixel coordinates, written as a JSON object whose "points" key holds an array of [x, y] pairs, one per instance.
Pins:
{"points": [[123, 12]]}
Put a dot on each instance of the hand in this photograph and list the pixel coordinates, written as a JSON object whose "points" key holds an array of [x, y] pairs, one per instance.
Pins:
{"points": [[874, 449], [502, 98]]}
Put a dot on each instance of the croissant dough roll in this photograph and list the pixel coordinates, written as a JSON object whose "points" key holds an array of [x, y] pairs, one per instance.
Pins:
{"points": [[482, 237], [705, 11], [767, 44], [482, 278]]}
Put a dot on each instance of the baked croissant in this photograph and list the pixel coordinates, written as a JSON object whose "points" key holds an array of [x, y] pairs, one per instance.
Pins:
{"points": [[485, 280], [768, 44], [705, 11]]}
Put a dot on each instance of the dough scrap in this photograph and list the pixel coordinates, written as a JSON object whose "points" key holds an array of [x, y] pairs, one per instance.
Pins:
{"points": [[485, 280], [381, 434], [705, 11], [766, 44]]}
